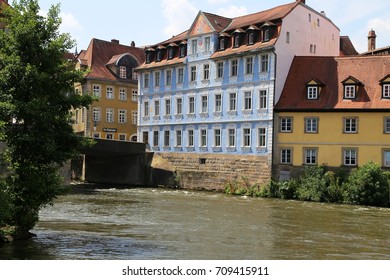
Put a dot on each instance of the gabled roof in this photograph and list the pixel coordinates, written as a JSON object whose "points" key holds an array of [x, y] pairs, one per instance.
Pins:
{"points": [[332, 71], [346, 46], [278, 12], [101, 53]]}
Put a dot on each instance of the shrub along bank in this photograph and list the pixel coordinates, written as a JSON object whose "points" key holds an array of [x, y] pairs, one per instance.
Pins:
{"points": [[367, 185]]}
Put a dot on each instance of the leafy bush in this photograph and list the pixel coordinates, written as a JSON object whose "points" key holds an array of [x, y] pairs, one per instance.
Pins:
{"points": [[367, 185], [5, 204], [312, 185]]}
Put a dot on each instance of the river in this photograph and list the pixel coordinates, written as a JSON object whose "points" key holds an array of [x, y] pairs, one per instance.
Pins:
{"points": [[144, 223]]}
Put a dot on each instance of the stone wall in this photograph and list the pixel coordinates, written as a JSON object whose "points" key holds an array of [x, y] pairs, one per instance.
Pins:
{"points": [[213, 171]]}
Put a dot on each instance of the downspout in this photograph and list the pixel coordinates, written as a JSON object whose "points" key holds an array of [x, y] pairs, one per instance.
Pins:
{"points": [[273, 116]]}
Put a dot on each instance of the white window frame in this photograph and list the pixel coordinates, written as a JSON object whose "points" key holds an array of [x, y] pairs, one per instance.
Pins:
{"points": [[190, 140], [233, 102], [156, 138], [97, 91], [350, 125], [312, 92], [263, 99], [109, 115], [248, 101], [206, 72], [96, 114], [286, 156], [122, 116], [194, 46], [204, 106], [349, 92], [110, 94], [168, 77], [232, 137], [311, 124], [179, 138], [168, 107], [310, 156], [261, 137], [386, 90], [157, 76], [146, 80], [193, 71], [286, 124], [146, 109], [217, 137], [218, 103], [134, 117], [234, 68], [264, 63], [386, 159], [207, 43], [220, 69], [246, 137], [167, 138], [157, 107], [191, 104], [179, 106], [122, 94], [203, 137], [249, 65], [134, 95], [350, 156], [122, 72], [180, 75]]}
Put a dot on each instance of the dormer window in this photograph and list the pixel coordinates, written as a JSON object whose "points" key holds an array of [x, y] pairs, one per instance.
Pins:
{"points": [[266, 35], [251, 38], [267, 29], [159, 56], [252, 31], [351, 86], [237, 37], [149, 55], [122, 72], [223, 41], [385, 83], [183, 49], [314, 87]]}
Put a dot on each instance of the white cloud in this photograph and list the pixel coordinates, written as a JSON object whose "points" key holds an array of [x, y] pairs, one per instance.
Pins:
{"points": [[69, 23], [180, 14], [233, 11]]}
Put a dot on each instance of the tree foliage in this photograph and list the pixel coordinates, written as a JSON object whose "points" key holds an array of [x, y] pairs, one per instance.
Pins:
{"points": [[36, 97]]}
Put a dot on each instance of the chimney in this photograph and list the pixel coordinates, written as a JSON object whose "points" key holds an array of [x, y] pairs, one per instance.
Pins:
{"points": [[115, 41], [371, 41], [302, 1], [132, 44]]}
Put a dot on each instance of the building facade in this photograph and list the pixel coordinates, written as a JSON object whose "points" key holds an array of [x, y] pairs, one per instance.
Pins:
{"points": [[335, 112], [112, 81], [208, 94]]}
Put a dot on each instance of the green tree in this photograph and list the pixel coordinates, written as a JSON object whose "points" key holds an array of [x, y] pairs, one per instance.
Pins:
{"points": [[36, 97]]}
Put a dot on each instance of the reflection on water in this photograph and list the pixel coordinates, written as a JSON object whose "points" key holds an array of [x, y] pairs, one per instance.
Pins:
{"points": [[177, 224]]}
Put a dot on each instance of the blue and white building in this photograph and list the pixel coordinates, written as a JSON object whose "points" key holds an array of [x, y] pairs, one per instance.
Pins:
{"points": [[212, 88]]}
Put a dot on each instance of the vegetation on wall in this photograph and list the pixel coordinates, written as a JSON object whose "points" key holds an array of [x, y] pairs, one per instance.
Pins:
{"points": [[36, 97], [367, 185]]}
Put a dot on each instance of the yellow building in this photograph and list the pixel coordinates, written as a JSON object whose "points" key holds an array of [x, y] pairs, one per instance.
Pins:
{"points": [[112, 80], [333, 111]]}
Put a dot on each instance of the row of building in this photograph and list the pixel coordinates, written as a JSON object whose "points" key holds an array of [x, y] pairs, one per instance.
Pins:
{"points": [[264, 93]]}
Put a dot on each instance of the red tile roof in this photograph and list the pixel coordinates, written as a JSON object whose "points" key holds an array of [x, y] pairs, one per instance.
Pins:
{"points": [[100, 53], [331, 71]]}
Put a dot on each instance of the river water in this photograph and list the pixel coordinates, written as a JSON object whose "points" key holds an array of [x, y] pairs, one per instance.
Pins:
{"points": [[170, 224]]}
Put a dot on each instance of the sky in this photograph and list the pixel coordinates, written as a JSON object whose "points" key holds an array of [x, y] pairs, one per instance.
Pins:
{"points": [[154, 21]]}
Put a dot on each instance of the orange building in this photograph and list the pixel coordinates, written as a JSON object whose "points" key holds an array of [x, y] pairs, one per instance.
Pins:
{"points": [[111, 79]]}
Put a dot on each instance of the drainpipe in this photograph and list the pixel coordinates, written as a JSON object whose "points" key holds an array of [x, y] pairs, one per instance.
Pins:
{"points": [[273, 116]]}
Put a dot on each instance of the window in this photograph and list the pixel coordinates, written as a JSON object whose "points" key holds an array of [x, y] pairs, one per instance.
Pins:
{"points": [[221, 44], [350, 157], [219, 69], [122, 137], [134, 75], [349, 92], [386, 91], [168, 81], [96, 91], [167, 107], [386, 158], [249, 66], [193, 73], [264, 63], [122, 72], [190, 138], [285, 156], [155, 138], [232, 137], [122, 94], [251, 38], [218, 103], [286, 124], [109, 115], [178, 138], [204, 104], [247, 137], [263, 99], [180, 76], [236, 40], [217, 137], [387, 124], [318, 22], [312, 92], [288, 37], [122, 118], [203, 137], [191, 105], [146, 80], [159, 55], [206, 72], [311, 125], [234, 68], [266, 35], [166, 138], [350, 125], [232, 101], [145, 137], [109, 136], [134, 95], [262, 137], [96, 114], [157, 79], [179, 106], [96, 135], [207, 44], [310, 155], [194, 46], [248, 100], [183, 50], [146, 109], [134, 117], [157, 107], [170, 53], [110, 93]]}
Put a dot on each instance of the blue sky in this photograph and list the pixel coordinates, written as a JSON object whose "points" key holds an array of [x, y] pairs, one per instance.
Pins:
{"points": [[153, 21]]}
